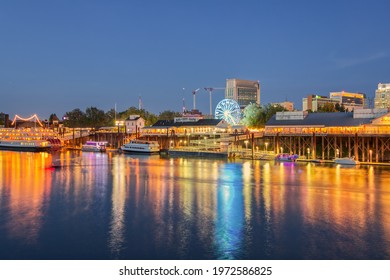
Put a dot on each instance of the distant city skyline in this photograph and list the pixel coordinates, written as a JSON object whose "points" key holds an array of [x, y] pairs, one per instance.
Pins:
{"points": [[56, 56]]}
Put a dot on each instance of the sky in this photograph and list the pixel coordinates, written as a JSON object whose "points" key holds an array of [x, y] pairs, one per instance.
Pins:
{"points": [[59, 55]]}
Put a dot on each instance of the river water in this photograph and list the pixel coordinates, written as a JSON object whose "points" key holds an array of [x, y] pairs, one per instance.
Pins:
{"points": [[114, 206]]}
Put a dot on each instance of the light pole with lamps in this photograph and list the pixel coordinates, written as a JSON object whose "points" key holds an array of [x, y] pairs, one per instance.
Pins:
{"points": [[246, 144]]}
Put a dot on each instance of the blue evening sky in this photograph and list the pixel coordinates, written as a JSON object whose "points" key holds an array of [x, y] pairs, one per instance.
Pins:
{"points": [[58, 55]]}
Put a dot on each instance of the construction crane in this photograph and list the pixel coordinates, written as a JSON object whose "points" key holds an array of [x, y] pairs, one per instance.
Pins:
{"points": [[194, 94], [210, 91]]}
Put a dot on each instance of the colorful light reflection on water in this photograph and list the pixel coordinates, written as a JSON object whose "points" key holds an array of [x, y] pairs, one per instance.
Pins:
{"points": [[109, 206]]}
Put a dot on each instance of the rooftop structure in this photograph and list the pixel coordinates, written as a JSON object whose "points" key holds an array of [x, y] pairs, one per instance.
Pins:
{"points": [[360, 121], [243, 91], [186, 126], [382, 96]]}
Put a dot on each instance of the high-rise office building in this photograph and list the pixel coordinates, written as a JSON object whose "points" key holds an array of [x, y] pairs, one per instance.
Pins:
{"points": [[243, 91], [382, 96], [350, 100]]}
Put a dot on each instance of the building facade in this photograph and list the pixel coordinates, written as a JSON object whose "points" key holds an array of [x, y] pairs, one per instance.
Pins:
{"points": [[134, 123], [243, 91], [350, 100], [382, 96], [313, 102]]}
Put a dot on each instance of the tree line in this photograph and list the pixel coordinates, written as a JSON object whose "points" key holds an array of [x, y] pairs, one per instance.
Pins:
{"points": [[94, 117]]}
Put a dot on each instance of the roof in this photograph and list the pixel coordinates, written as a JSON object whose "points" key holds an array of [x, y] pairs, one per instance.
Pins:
{"points": [[201, 122], [136, 118], [322, 119]]}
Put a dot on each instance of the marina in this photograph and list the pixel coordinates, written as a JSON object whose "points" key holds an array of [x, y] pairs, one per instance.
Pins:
{"points": [[95, 207]]}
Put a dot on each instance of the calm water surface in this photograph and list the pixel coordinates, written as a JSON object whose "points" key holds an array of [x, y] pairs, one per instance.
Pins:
{"points": [[133, 207]]}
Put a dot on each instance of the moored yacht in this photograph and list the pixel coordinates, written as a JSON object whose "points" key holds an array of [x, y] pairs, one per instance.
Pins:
{"points": [[93, 146], [141, 146], [346, 160], [25, 145]]}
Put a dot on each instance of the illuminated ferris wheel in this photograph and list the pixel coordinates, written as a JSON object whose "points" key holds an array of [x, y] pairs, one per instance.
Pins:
{"points": [[228, 110]]}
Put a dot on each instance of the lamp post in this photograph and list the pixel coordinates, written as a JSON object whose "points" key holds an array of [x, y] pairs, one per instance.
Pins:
{"points": [[370, 155], [337, 153], [281, 150], [308, 153], [266, 146], [205, 143], [246, 144]]}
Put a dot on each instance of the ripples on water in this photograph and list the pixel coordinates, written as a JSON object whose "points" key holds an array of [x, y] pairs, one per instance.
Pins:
{"points": [[136, 207]]}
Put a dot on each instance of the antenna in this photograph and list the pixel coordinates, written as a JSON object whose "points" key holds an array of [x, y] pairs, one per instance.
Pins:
{"points": [[184, 104], [194, 94], [139, 103], [210, 91]]}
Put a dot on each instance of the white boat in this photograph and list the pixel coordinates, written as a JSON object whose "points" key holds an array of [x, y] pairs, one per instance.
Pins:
{"points": [[93, 146], [141, 146], [346, 160], [24, 145]]}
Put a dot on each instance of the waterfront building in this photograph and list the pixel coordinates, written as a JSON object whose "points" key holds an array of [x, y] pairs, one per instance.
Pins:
{"points": [[350, 100], [188, 132], [363, 133], [134, 123], [186, 126], [243, 91], [313, 102], [289, 106], [382, 96]]}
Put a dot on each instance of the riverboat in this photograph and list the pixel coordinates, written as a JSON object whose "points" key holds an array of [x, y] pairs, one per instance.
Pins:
{"points": [[25, 145], [286, 157], [141, 146], [346, 161], [93, 146]]}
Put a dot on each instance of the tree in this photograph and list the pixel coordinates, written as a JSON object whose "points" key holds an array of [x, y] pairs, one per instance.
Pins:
{"points": [[327, 107], [75, 118], [169, 115], [95, 117], [148, 117], [272, 109], [253, 116], [257, 116], [53, 117]]}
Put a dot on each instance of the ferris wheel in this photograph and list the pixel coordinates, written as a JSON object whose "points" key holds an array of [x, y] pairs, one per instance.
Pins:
{"points": [[228, 110]]}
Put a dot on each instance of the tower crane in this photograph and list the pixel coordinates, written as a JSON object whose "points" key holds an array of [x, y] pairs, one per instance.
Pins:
{"points": [[194, 94], [210, 91]]}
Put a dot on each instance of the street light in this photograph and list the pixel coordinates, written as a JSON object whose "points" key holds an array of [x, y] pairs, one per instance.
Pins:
{"points": [[266, 146], [370, 155], [281, 150], [337, 153], [246, 144], [308, 153]]}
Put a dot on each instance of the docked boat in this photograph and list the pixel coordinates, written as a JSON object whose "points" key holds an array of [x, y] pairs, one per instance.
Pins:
{"points": [[93, 146], [286, 157], [141, 146], [25, 145], [347, 161]]}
